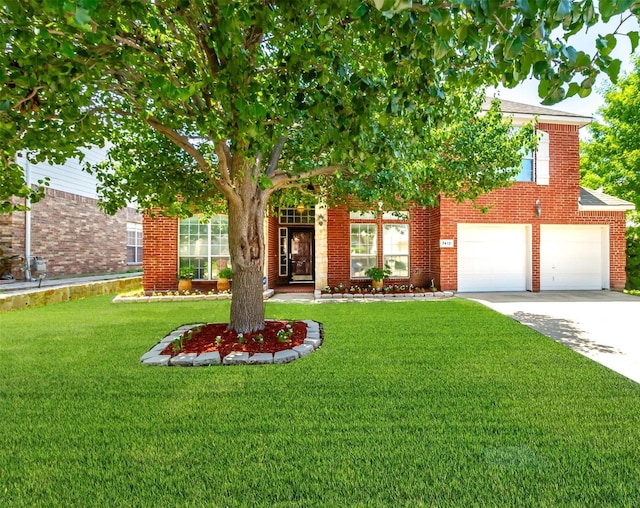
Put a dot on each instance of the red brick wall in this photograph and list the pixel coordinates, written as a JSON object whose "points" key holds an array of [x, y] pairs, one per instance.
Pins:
{"points": [[617, 243], [338, 246], [73, 235], [424, 230], [160, 253], [423, 267], [516, 205]]}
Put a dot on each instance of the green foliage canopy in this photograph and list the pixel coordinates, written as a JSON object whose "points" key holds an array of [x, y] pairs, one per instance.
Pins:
{"points": [[283, 94], [611, 157], [633, 258]]}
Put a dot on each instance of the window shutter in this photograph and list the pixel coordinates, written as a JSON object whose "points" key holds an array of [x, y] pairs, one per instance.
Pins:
{"points": [[542, 158]]}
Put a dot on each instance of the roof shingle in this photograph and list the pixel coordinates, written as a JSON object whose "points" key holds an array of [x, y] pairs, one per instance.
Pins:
{"points": [[592, 198]]}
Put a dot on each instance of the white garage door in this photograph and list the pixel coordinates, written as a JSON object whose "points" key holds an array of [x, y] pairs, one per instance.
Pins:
{"points": [[574, 257], [493, 257]]}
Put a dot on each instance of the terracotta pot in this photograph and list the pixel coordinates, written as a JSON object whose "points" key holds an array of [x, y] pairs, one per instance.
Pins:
{"points": [[377, 284], [184, 285], [223, 284]]}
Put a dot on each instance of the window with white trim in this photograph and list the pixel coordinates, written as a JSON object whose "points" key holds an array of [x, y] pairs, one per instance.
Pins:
{"points": [[395, 248], [134, 243], [526, 173], [527, 168], [393, 228], [204, 245], [364, 248]]}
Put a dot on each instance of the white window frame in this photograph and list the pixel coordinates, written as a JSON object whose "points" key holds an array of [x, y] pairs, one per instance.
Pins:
{"points": [[203, 259], [356, 258], [395, 218], [400, 256], [135, 228]]}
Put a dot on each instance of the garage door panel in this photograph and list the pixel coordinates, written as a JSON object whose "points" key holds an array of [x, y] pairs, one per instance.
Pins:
{"points": [[492, 257], [573, 257]]}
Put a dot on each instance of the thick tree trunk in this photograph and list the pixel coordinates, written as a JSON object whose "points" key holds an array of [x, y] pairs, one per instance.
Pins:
{"points": [[246, 248], [247, 306]]}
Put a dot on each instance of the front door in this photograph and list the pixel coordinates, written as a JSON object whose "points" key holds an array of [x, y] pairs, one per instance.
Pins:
{"points": [[300, 255]]}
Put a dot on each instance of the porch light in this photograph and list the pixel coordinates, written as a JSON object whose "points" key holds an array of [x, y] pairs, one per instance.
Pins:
{"points": [[538, 208], [300, 208]]}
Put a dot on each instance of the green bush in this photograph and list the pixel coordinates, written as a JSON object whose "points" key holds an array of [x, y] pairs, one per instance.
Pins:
{"points": [[633, 257]]}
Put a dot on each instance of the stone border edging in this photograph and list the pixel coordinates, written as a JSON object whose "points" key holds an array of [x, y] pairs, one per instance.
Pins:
{"points": [[182, 298], [153, 357], [438, 295], [58, 294]]}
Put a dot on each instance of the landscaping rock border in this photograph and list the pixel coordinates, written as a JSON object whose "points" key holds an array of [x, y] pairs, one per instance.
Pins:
{"points": [[318, 297], [437, 295], [36, 297], [154, 357], [182, 298]]}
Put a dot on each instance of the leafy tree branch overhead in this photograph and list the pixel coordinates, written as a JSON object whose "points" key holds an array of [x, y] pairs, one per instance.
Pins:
{"points": [[233, 103]]}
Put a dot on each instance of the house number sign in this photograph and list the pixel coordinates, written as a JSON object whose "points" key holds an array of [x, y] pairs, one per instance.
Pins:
{"points": [[446, 243]]}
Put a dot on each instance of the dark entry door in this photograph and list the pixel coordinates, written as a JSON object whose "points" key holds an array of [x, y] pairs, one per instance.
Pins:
{"points": [[300, 255]]}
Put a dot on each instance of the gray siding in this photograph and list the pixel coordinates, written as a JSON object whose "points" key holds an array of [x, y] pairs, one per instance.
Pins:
{"points": [[69, 177]]}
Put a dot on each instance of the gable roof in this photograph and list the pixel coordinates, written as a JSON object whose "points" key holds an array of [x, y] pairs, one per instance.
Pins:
{"points": [[594, 201], [545, 115]]}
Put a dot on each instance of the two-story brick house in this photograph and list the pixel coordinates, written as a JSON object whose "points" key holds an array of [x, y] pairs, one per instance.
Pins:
{"points": [[67, 228], [544, 232]]}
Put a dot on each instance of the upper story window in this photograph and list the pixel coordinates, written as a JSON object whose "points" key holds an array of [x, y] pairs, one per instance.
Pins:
{"points": [[204, 245], [535, 164], [527, 168]]}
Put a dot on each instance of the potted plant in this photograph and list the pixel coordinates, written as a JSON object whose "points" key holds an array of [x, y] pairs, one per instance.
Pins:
{"points": [[377, 275], [185, 275], [223, 279]]}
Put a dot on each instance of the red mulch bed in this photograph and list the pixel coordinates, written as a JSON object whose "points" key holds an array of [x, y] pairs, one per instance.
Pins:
{"points": [[204, 340]]}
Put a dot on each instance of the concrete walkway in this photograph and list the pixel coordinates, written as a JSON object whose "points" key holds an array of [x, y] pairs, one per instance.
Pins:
{"points": [[22, 287], [292, 297], [601, 325]]}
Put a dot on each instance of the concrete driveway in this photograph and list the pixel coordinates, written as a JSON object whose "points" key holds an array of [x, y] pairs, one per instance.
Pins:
{"points": [[602, 325]]}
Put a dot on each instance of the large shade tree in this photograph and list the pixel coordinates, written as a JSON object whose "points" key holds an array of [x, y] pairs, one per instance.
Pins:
{"points": [[610, 158], [226, 104]]}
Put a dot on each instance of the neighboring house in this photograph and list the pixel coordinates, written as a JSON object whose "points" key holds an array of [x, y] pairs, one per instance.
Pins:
{"points": [[544, 232], [67, 229]]}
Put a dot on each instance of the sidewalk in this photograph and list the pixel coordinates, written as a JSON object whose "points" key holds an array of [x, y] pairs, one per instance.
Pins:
{"points": [[18, 295], [18, 287]]}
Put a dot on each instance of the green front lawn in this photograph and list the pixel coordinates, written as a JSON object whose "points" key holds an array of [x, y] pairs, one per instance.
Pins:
{"points": [[406, 404]]}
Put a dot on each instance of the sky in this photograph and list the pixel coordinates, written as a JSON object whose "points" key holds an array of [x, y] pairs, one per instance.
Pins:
{"points": [[527, 92]]}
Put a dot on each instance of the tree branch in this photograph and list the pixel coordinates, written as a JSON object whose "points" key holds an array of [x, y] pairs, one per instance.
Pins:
{"points": [[162, 9], [32, 93], [275, 157], [134, 45], [183, 143], [225, 159], [281, 179]]}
